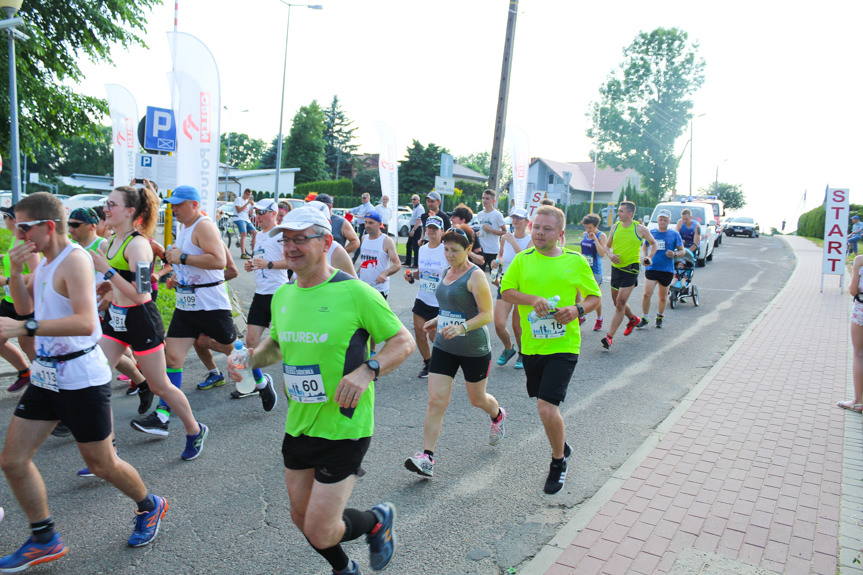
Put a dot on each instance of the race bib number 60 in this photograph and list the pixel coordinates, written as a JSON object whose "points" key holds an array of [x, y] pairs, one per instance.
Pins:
{"points": [[304, 384]]}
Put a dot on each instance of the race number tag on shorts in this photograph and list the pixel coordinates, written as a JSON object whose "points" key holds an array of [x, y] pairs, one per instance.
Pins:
{"points": [[589, 260], [447, 318], [304, 384], [660, 245], [547, 328], [185, 298], [44, 375], [6, 289], [118, 318], [429, 281]]}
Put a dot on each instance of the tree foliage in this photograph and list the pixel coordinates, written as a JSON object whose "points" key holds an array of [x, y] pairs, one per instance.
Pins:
{"points": [[62, 32], [418, 171], [645, 106], [338, 135], [268, 159], [246, 152], [305, 147], [731, 195]]}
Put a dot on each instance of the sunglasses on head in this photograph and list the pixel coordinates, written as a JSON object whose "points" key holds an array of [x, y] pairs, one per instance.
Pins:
{"points": [[27, 226], [459, 231]]}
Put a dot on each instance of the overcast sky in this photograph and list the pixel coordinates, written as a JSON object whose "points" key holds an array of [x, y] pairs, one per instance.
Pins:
{"points": [[780, 95]]}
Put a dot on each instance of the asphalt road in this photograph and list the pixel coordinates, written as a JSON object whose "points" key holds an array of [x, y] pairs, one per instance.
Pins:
{"points": [[483, 513]]}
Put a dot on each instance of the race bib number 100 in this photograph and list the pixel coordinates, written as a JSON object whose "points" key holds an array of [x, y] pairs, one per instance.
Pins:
{"points": [[304, 384]]}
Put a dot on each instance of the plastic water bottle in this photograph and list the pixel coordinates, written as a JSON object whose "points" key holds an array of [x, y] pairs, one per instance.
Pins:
{"points": [[240, 361], [552, 304]]}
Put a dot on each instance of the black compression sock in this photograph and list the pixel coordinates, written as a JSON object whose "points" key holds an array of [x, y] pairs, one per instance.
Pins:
{"points": [[147, 504], [43, 531], [357, 523], [335, 556], [430, 453]]}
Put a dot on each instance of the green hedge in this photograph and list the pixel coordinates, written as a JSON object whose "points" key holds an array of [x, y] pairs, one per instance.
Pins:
{"points": [[811, 224], [343, 187]]}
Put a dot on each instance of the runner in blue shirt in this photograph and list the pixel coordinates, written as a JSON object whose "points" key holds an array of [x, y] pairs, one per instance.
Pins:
{"points": [[593, 249], [661, 270]]}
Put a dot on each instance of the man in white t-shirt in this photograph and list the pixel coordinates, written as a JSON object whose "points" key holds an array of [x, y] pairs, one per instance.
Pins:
{"points": [[386, 213], [489, 226], [242, 208]]}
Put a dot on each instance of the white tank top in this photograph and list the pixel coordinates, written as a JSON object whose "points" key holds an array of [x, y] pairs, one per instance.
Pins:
{"points": [[330, 252], [88, 370], [509, 251], [432, 262], [268, 281], [373, 261], [207, 298]]}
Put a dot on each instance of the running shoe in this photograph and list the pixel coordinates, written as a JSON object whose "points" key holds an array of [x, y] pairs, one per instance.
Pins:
{"points": [[631, 325], [351, 569], [598, 325], [147, 523], [32, 553], [606, 342], [505, 356], [497, 431], [151, 424], [424, 372], [420, 463], [269, 397], [556, 477], [132, 389], [382, 539], [86, 472], [643, 323], [519, 363], [659, 321], [124, 377], [195, 443], [20, 383], [245, 256], [240, 395], [213, 380], [145, 398], [61, 430]]}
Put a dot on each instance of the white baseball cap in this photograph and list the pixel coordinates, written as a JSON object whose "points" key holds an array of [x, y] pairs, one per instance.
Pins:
{"points": [[302, 219]]}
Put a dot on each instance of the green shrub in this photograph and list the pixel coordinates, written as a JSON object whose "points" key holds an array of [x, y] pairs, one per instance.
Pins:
{"points": [[343, 187]]}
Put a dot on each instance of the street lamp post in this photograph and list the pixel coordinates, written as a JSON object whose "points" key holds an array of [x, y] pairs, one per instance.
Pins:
{"points": [[10, 8], [282, 107], [691, 146]]}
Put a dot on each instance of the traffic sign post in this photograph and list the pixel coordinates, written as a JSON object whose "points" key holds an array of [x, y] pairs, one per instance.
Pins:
{"points": [[444, 186], [161, 131]]}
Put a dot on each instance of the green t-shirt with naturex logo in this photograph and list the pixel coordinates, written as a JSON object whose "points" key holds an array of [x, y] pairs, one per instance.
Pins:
{"points": [[323, 334]]}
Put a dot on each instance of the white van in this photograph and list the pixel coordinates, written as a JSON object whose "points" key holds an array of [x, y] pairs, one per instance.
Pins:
{"points": [[701, 213]]}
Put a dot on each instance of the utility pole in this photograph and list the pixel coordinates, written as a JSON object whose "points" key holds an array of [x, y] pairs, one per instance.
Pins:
{"points": [[503, 96]]}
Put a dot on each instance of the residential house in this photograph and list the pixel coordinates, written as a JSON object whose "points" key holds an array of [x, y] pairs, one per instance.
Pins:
{"points": [[608, 184]]}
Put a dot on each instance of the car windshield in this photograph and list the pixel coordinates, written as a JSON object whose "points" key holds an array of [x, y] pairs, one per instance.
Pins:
{"points": [[744, 221], [697, 212]]}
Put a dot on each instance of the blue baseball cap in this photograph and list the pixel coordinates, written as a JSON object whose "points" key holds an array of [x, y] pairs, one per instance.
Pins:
{"points": [[184, 193], [855, 217], [375, 216]]}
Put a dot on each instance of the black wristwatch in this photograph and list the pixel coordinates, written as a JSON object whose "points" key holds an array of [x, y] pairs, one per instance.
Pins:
{"points": [[269, 265], [31, 325], [580, 310], [183, 258], [374, 366]]}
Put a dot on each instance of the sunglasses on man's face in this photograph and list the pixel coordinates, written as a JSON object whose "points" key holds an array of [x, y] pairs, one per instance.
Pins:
{"points": [[27, 226], [75, 225]]}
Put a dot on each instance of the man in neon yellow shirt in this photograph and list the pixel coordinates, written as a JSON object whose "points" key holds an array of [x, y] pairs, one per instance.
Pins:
{"points": [[550, 333], [624, 251], [321, 324]]}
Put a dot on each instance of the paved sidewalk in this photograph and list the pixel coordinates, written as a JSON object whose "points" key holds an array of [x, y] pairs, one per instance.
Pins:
{"points": [[746, 476]]}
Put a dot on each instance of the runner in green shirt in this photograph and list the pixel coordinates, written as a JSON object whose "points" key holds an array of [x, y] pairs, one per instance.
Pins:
{"points": [[544, 281], [321, 324]]}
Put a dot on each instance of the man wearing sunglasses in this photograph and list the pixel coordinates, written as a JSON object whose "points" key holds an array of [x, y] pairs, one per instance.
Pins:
{"points": [[82, 229], [70, 381], [321, 326]]}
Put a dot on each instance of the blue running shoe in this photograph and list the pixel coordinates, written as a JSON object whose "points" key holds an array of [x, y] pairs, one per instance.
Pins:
{"points": [[519, 363], [382, 539], [213, 380], [32, 553], [147, 523], [351, 569], [86, 472], [195, 443]]}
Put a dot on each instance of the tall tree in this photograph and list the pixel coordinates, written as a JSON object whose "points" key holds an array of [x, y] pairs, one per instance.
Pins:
{"points": [[61, 33], [246, 152], [338, 135], [645, 106], [418, 171], [305, 147], [268, 158], [731, 194]]}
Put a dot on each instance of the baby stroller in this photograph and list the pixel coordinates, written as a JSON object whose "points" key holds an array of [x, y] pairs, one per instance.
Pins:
{"points": [[682, 286]]}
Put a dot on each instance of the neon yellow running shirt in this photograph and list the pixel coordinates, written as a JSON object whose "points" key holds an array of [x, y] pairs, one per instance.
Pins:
{"points": [[626, 244]]}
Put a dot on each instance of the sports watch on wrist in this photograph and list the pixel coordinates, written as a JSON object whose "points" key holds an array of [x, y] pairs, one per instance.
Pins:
{"points": [[269, 265], [183, 258], [374, 366], [580, 310], [31, 325]]}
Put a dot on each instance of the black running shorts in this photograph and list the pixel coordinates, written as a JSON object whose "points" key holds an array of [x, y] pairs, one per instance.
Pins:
{"points": [[260, 312], [218, 324], [424, 310], [7, 309], [332, 459], [664, 278], [548, 375], [139, 327], [621, 278], [86, 412], [474, 369]]}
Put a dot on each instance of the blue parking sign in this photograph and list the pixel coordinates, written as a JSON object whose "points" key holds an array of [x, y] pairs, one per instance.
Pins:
{"points": [[161, 132]]}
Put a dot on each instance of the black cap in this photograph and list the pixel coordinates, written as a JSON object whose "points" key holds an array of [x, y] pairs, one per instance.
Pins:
{"points": [[325, 199], [8, 212]]}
